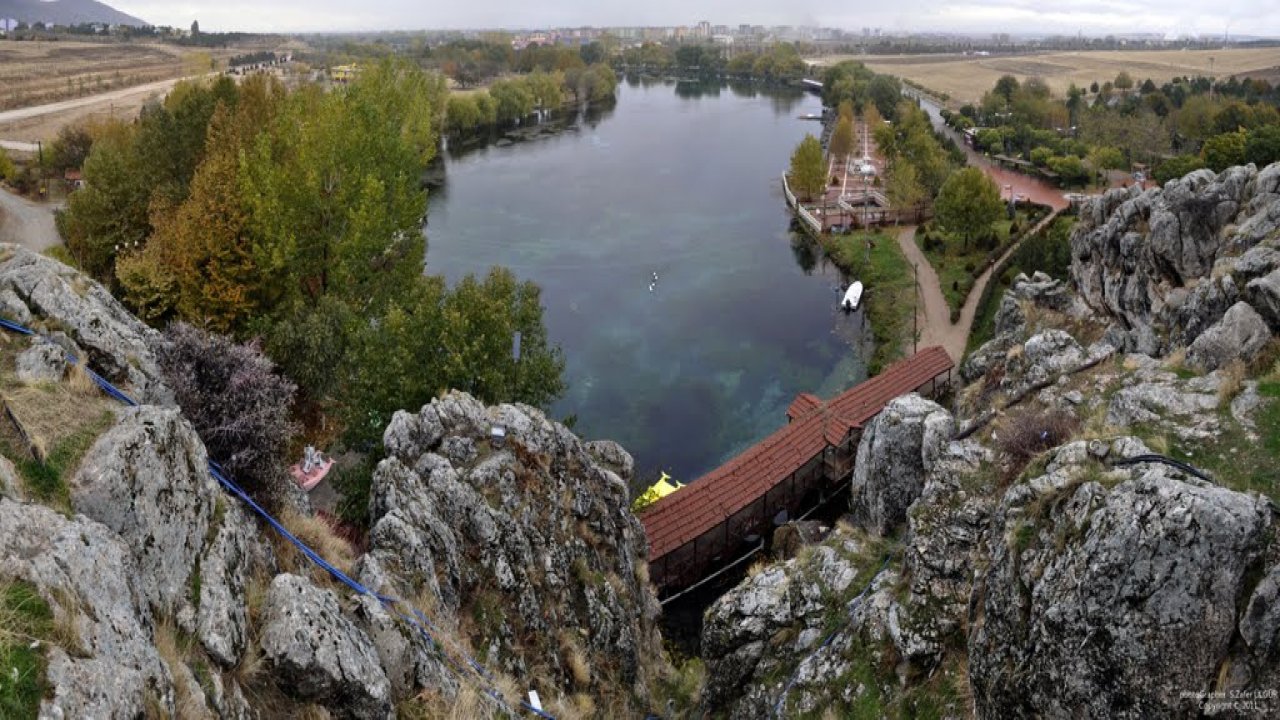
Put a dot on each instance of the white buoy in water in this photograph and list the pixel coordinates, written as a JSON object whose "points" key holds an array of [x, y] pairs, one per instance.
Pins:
{"points": [[852, 296]]}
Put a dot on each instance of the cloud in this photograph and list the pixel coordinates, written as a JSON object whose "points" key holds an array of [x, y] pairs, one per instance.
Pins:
{"points": [[1254, 17]]}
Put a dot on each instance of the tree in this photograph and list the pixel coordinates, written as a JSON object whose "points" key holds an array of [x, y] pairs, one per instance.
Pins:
{"points": [[70, 149], [1069, 169], [1223, 151], [885, 92], [1093, 87], [903, 188], [195, 28], [1263, 146], [7, 169], [841, 139], [110, 214], [808, 176], [1175, 168], [968, 203], [332, 191], [1006, 87], [1105, 158], [846, 109], [1123, 81]]}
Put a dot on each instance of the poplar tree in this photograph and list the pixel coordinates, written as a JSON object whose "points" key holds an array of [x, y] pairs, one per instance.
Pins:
{"points": [[808, 176]]}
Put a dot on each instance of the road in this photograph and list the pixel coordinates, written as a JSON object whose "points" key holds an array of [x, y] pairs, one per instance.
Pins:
{"points": [[26, 113], [934, 314], [27, 223], [19, 146]]}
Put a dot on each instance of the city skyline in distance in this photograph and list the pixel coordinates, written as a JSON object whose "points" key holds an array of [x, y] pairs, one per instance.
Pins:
{"points": [[1172, 19]]}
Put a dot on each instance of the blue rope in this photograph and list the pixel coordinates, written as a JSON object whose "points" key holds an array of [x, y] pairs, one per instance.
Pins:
{"points": [[387, 601]]}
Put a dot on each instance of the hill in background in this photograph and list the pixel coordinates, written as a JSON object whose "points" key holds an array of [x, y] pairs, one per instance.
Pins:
{"points": [[65, 12]]}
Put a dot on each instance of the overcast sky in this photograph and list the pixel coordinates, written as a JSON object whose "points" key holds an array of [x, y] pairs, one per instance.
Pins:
{"points": [[1201, 17]]}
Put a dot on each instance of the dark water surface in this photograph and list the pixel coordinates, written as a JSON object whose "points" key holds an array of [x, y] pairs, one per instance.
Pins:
{"points": [[683, 181]]}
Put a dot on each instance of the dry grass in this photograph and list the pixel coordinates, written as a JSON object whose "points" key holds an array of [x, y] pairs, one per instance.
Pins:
{"points": [[575, 659], [175, 651], [50, 412], [65, 632], [252, 664], [965, 79], [1232, 378], [79, 381], [642, 573], [319, 536]]}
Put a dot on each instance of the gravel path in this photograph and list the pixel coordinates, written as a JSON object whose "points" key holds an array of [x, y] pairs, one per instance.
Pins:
{"points": [[27, 223], [934, 314]]}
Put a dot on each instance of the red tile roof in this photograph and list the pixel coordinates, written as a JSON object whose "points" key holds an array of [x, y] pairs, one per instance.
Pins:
{"points": [[683, 516]]}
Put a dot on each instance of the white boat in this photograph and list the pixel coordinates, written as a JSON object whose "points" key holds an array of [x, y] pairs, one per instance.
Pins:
{"points": [[852, 296]]}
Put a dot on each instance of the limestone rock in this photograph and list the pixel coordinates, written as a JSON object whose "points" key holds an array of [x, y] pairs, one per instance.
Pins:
{"points": [[83, 571], [315, 653], [1154, 397], [538, 527], [1161, 262], [1263, 294], [41, 363], [147, 479], [10, 484], [943, 549], [119, 345], [1239, 335], [1111, 604], [897, 450]]}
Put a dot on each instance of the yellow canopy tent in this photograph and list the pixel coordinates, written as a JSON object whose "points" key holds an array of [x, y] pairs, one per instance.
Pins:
{"points": [[664, 487]]}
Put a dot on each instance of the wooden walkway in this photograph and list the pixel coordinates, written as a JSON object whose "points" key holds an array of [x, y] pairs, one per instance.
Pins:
{"points": [[729, 511]]}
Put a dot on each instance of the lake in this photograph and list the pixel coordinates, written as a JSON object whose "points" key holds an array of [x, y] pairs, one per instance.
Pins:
{"points": [[682, 180]]}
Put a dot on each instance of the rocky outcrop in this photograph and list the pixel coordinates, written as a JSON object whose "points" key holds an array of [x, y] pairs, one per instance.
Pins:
{"points": [[105, 664], [757, 633], [896, 453], [1119, 602], [532, 537], [1027, 294], [316, 652], [83, 317], [813, 631], [1163, 263], [147, 479], [1152, 396], [42, 362], [1239, 335], [1264, 294], [942, 551]]}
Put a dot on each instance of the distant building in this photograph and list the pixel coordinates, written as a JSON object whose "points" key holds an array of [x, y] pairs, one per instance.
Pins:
{"points": [[344, 73]]}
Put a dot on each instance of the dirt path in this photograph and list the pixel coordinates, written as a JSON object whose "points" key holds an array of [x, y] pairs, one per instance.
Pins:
{"points": [[27, 223], [934, 314], [9, 116], [24, 126]]}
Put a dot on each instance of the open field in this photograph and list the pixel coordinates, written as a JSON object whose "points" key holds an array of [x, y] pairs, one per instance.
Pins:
{"points": [[45, 86], [34, 73], [966, 78], [42, 122]]}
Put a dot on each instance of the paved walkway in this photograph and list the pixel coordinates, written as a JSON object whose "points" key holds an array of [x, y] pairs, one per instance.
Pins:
{"points": [[934, 314]]}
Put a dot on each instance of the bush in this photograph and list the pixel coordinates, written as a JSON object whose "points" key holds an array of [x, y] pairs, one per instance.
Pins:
{"points": [[1027, 433], [233, 396]]}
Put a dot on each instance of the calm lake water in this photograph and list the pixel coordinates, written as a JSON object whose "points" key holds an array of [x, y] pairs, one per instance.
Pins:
{"points": [[681, 180]]}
